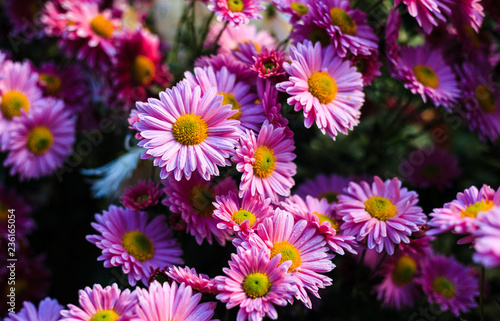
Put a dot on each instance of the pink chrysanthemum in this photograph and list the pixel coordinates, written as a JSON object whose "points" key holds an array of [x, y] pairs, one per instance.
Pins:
{"points": [[231, 37], [268, 94], [20, 211], [384, 214], [54, 19], [138, 66], [467, 12], [299, 243], [321, 215], [266, 162], [41, 140], [428, 13], [48, 310], [461, 215], [296, 8], [129, 241], [449, 284], [198, 282], [109, 303], [238, 94], [324, 187], [187, 132], [255, 282], [269, 63], [425, 168], [241, 214], [237, 12], [482, 102], [487, 240], [328, 89], [193, 199], [226, 60], [142, 195], [172, 302]]}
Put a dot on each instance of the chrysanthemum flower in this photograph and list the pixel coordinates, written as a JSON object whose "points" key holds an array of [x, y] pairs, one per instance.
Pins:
{"points": [[266, 162], [449, 284], [322, 186], [41, 140], [328, 89], [54, 19], [198, 282], [428, 13], [237, 12], [268, 94], [172, 302], [241, 214], [467, 12], [48, 310], [238, 94], [299, 243], [384, 214], [9, 200], [194, 199], [228, 61], [187, 132], [461, 215], [232, 36], [487, 240], [296, 8], [255, 282], [129, 241], [109, 303], [269, 63], [142, 195]]}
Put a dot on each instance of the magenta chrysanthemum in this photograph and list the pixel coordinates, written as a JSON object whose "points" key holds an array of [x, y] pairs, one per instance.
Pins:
{"points": [[266, 162], [109, 303], [48, 310], [428, 13], [237, 12], [198, 282], [193, 199], [267, 92], [41, 140], [228, 61], [187, 132], [449, 284], [269, 63], [142, 195], [129, 241], [384, 214], [172, 302], [487, 240], [328, 89], [255, 282]]}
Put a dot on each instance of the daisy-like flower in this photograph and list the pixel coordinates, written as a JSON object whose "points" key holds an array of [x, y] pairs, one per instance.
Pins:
{"points": [[194, 199], [172, 302], [487, 240], [236, 12], [266, 162], [461, 215], [41, 140], [187, 132], [296, 8], [255, 282], [9, 200], [129, 241], [54, 19], [481, 99], [449, 284], [428, 13], [467, 12], [241, 214], [142, 195], [231, 37], [299, 243], [384, 214], [322, 186], [269, 63], [198, 282], [48, 310], [98, 303], [238, 94], [321, 215], [328, 89]]}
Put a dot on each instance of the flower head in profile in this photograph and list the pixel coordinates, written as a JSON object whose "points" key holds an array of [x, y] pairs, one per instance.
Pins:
{"points": [[487, 240], [236, 12], [198, 282], [48, 310]]}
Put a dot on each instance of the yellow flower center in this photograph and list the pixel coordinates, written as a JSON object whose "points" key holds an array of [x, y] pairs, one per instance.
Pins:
{"points": [[474, 209], [256, 285], [102, 26], [443, 287], [242, 215], [319, 35], [190, 129], [288, 252], [264, 162], [322, 86], [235, 105], [143, 70], [52, 83], [105, 315], [138, 245], [426, 76], [325, 218], [235, 5], [201, 198], [299, 8], [12, 103], [330, 196], [380, 208], [404, 270], [485, 99], [343, 20], [40, 139]]}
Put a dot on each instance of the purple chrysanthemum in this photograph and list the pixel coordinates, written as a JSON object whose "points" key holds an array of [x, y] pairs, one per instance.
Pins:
{"points": [[228, 61], [48, 310], [143, 195]]}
